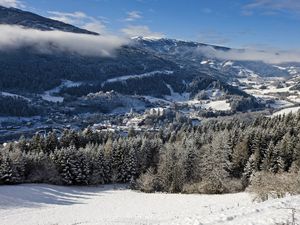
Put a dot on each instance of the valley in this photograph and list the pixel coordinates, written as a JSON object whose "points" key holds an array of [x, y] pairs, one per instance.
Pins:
{"points": [[145, 112], [147, 84], [275, 95]]}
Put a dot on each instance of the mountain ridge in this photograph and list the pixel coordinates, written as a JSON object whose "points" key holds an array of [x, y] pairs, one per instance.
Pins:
{"points": [[14, 16]]}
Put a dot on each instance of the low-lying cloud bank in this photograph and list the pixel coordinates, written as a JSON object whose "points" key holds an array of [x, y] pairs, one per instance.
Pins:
{"points": [[267, 56], [14, 37]]}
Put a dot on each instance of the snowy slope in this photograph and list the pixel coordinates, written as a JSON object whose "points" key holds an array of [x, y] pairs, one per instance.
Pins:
{"points": [[13, 95], [124, 78], [49, 205], [50, 94], [287, 111]]}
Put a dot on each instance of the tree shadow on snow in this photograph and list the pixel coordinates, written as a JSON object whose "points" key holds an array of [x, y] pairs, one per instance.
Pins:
{"points": [[35, 195]]}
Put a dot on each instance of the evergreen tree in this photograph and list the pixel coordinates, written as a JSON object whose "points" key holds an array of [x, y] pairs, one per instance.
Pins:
{"points": [[12, 167], [51, 142], [190, 163], [266, 162], [249, 170], [22, 144], [215, 161], [6, 171], [240, 157], [99, 168], [131, 165], [296, 159]]}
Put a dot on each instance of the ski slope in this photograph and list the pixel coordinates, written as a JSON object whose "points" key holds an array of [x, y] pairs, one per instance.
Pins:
{"points": [[149, 74], [107, 205]]}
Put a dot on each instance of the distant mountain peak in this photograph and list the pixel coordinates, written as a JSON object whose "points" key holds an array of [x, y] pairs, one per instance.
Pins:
{"points": [[146, 38]]}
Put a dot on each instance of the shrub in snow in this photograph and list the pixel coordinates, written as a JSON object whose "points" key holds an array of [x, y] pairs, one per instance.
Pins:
{"points": [[267, 185], [149, 182]]}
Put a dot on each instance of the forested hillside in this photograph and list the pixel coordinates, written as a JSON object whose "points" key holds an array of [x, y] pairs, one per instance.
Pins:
{"points": [[16, 106], [28, 70], [215, 157]]}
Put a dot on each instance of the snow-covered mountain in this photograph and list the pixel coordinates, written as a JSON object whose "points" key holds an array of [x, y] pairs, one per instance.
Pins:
{"points": [[193, 54], [144, 66]]}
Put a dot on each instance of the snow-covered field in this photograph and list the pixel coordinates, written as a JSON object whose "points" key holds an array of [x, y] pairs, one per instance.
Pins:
{"points": [[218, 105], [13, 95], [149, 74], [55, 205], [287, 111], [50, 94]]}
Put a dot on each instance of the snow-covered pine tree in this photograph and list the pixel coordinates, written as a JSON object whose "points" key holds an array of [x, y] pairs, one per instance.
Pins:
{"points": [[286, 151], [190, 163], [80, 166], [266, 162], [6, 171], [256, 151], [61, 159], [276, 162], [22, 144], [99, 167], [51, 143], [240, 156], [215, 164], [296, 159], [249, 170], [37, 143], [131, 165], [12, 167], [117, 162]]}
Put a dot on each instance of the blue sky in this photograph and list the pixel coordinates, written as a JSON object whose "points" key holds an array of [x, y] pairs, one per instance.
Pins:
{"points": [[234, 23]]}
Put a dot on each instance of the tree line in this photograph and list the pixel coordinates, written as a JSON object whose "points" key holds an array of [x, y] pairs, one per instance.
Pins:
{"points": [[218, 156]]}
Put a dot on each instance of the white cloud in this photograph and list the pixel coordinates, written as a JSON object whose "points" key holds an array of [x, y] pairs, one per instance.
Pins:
{"points": [[71, 18], [79, 19], [143, 31], [11, 3], [13, 37], [133, 15], [268, 56], [96, 26], [272, 6]]}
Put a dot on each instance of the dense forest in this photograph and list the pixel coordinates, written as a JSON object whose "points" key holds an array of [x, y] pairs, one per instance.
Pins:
{"points": [[180, 81], [215, 157], [31, 71], [16, 106]]}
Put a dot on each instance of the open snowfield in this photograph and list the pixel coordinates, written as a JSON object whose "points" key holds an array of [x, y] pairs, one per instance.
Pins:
{"points": [[55, 205], [287, 111], [218, 105]]}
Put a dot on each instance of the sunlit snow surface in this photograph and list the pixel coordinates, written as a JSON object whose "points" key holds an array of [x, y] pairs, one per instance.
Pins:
{"points": [[109, 205], [50, 94], [287, 111], [218, 105]]}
